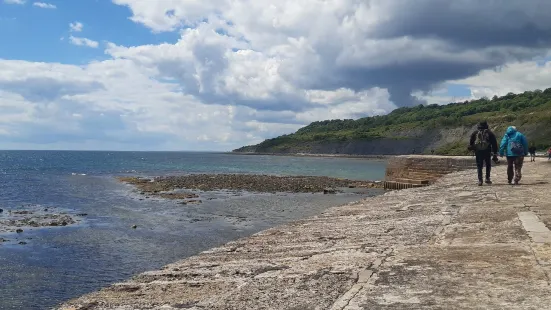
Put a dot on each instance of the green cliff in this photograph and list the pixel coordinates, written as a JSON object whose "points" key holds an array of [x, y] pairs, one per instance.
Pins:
{"points": [[421, 129]]}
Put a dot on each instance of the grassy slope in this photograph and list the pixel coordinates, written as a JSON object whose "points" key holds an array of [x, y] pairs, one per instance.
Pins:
{"points": [[529, 111]]}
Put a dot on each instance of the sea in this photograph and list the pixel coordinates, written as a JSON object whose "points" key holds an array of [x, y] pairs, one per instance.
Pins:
{"points": [[59, 263]]}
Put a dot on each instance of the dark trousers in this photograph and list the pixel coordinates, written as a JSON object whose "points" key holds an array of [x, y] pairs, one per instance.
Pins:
{"points": [[514, 168], [483, 157]]}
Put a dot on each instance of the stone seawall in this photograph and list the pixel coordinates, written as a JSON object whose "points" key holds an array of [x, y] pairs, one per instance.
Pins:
{"points": [[409, 171]]}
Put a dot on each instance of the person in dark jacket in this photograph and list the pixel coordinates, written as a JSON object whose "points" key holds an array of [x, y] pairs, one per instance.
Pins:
{"points": [[484, 143], [532, 151]]}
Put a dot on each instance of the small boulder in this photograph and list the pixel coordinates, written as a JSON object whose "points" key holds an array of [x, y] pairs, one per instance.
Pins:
{"points": [[19, 230], [329, 191], [22, 242], [134, 226], [1, 210]]}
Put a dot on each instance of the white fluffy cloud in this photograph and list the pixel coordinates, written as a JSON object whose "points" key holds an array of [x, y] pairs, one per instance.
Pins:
{"points": [[75, 27], [83, 42], [44, 5], [243, 71]]}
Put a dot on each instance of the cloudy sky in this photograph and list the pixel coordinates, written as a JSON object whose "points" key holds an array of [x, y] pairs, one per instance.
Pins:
{"points": [[218, 74]]}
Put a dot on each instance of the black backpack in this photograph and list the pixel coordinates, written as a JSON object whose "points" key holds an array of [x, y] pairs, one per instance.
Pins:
{"points": [[482, 142]]}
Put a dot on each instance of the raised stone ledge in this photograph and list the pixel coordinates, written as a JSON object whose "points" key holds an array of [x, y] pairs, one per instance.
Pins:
{"points": [[409, 171]]}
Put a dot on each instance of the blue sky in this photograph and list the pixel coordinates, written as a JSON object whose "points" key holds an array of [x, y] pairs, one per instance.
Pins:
{"points": [[33, 33], [215, 75]]}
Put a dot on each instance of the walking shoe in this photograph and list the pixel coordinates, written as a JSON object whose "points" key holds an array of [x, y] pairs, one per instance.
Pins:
{"points": [[480, 183], [488, 181], [516, 182]]}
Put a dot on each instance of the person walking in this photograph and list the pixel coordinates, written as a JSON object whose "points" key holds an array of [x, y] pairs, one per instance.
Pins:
{"points": [[484, 143], [549, 154], [515, 147], [532, 151]]}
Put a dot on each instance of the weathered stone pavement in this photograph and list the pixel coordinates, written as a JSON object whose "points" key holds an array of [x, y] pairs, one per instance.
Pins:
{"points": [[449, 246]]}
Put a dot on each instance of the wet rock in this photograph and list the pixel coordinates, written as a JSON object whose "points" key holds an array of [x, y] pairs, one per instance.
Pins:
{"points": [[1, 210], [134, 226], [82, 214], [329, 191], [3, 240], [17, 220], [179, 195], [193, 202], [22, 212], [22, 242], [33, 224]]}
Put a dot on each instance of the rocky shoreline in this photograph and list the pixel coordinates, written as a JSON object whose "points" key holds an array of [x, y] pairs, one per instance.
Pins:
{"points": [[27, 217], [166, 187]]}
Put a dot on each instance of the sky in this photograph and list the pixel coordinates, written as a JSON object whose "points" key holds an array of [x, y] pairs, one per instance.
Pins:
{"points": [[215, 75]]}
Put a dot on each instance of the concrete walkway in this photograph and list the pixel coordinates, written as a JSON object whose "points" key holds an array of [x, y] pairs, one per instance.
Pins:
{"points": [[449, 246]]}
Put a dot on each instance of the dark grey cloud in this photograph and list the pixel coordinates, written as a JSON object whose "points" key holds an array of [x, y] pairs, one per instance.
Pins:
{"points": [[471, 23], [492, 32]]}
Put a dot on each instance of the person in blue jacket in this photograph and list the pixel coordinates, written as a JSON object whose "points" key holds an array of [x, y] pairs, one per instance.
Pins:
{"points": [[515, 146]]}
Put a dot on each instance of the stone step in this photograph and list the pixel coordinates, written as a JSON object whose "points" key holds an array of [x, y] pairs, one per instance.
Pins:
{"points": [[413, 181], [399, 185]]}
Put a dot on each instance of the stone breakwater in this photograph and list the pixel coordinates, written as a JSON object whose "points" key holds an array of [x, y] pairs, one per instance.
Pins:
{"points": [[452, 245], [162, 186]]}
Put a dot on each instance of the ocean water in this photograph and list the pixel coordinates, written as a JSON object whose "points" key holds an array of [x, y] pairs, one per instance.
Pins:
{"points": [[58, 264]]}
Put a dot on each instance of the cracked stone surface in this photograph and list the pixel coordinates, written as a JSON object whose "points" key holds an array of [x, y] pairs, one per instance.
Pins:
{"points": [[452, 245]]}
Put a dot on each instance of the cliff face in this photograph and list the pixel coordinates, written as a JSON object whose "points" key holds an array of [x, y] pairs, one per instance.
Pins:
{"points": [[404, 143], [444, 129]]}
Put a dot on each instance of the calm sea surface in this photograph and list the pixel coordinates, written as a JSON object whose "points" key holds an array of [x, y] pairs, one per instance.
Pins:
{"points": [[57, 264]]}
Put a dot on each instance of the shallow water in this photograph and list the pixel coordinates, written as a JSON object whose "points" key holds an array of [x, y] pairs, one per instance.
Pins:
{"points": [[57, 264]]}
